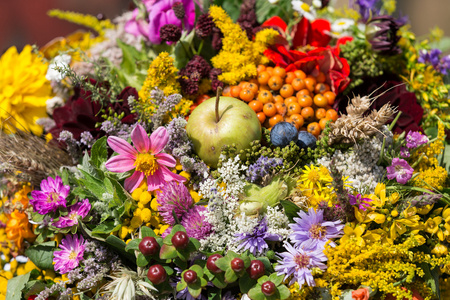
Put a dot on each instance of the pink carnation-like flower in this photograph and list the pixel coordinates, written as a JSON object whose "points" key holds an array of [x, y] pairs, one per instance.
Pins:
{"points": [[79, 209], [400, 170], [52, 195], [71, 254], [147, 160]]}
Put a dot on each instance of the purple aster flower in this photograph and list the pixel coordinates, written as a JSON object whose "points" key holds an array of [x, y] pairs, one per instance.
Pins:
{"points": [[431, 57], [79, 209], [255, 241], [262, 167], [173, 198], [71, 254], [366, 8], [195, 223], [404, 152], [400, 170], [414, 139], [363, 203], [298, 262], [311, 229], [51, 196], [444, 65]]}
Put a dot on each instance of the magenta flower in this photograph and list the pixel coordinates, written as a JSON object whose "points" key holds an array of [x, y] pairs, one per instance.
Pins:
{"points": [[52, 195], [195, 223], [160, 13], [363, 203], [404, 152], [414, 139], [400, 170], [71, 254], [146, 160], [174, 199], [79, 209]]}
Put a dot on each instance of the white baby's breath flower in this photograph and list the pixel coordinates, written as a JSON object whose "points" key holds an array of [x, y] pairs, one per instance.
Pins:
{"points": [[59, 63]]}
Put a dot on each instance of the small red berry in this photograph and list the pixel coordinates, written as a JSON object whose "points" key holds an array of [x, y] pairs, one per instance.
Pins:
{"points": [[211, 263], [190, 276], [268, 288], [256, 269], [157, 274], [180, 240], [149, 246], [237, 264]]}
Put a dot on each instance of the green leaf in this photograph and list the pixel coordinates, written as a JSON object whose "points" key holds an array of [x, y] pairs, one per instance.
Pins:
{"points": [[432, 278], [33, 287], [168, 252], [147, 231], [181, 285], [133, 244], [142, 260], [214, 294], [42, 255], [256, 294], [246, 283], [276, 279], [93, 185], [105, 228], [230, 275], [223, 263], [266, 262], [291, 210], [15, 287], [119, 245], [284, 292], [99, 152], [169, 270], [219, 280], [197, 269], [194, 291]]}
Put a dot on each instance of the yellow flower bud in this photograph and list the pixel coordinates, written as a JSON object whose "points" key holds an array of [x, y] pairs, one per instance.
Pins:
{"points": [[145, 197], [178, 167], [440, 250], [195, 196], [154, 204], [146, 215], [163, 228], [186, 175], [136, 222], [394, 213], [123, 232], [136, 194]]}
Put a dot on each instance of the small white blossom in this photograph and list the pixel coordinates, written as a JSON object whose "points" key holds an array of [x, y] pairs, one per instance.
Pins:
{"points": [[60, 61], [304, 9]]}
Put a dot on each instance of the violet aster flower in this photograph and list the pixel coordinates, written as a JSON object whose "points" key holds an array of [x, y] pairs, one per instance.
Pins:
{"points": [[173, 198], [52, 195], [431, 57], [400, 170], [311, 229], [79, 209], [366, 7], [363, 203], [195, 223], [160, 13], [255, 241], [71, 254], [444, 65], [298, 262], [414, 139], [147, 160]]}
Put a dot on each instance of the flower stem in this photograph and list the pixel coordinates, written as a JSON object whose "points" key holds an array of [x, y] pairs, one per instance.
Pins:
{"points": [[219, 91]]}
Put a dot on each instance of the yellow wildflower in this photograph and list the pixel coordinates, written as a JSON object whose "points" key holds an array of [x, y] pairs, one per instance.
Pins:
{"points": [[354, 234], [24, 90]]}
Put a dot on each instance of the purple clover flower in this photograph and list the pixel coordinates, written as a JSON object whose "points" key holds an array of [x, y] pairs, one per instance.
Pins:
{"points": [[262, 167], [298, 262], [195, 223], [404, 152], [311, 229], [255, 242], [400, 170], [414, 139], [363, 203], [71, 254], [52, 196], [173, 198], [79, 209]]}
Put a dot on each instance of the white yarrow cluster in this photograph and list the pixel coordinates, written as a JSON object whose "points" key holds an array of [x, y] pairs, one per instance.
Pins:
{"points": [[360, 165], [278, 222]]}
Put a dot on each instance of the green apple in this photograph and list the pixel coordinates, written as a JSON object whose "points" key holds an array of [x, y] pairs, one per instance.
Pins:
{"points": [[221, 121]]}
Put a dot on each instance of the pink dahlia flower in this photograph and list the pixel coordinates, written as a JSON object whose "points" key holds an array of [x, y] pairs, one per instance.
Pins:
{"points": [[146, 159], [80, 209], [52, 196], [70, 255]]}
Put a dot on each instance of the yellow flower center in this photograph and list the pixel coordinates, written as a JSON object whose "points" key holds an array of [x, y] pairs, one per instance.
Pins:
{"points": [[314, 176], [317, 231], [305, 7], [146, 163], [72, 255], [52, 198], [73, 216], [301, 260]]}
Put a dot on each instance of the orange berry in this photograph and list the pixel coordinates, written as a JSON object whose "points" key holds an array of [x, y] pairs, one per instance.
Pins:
{"points": [[298, 84], [253, 87], [323, 122], [307, 113], [256, 105], [313, 128], [293, 108], [305, 101], [303, 92], [279, 71], [281, 108], [253, 80], [332, 114], [261, 68], [275, 82], [320, 113], [320, 88], [235, 91], [243, 84], [287, 91], [269, 109], [310, 83], [275, 120], [298, 120], [247, 95], [227, 91], [290, 100], [320, 100], [330, 97], [290, 76], [263, 77], [265, 97], [300, 74], [261, 117], [278, 99], [269, 70], [321, 77]]}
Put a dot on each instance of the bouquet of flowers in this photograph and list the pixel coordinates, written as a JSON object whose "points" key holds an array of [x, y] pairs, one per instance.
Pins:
{"points": [[255, 149]]}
